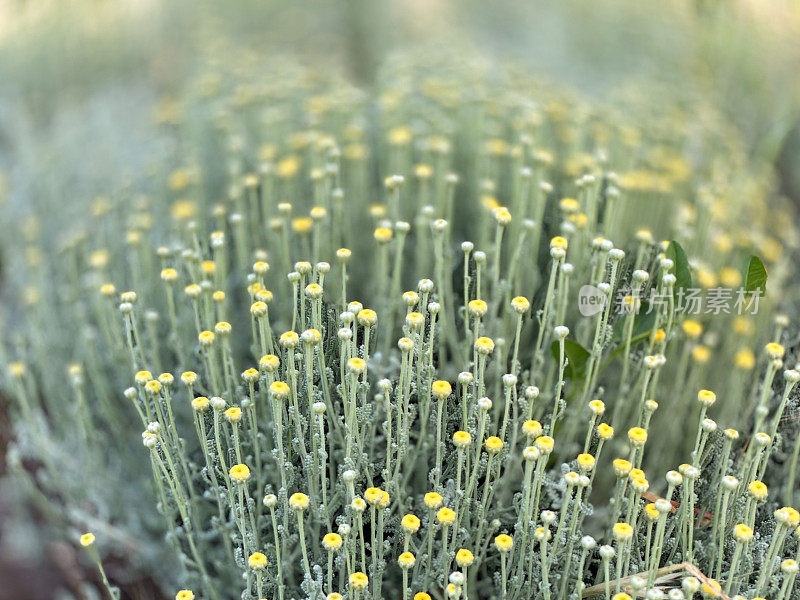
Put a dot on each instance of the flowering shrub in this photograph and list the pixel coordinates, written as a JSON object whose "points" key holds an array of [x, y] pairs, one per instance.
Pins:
{"points": [[349, 329]]}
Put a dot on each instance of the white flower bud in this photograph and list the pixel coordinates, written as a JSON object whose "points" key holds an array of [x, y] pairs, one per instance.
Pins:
{"points": [[616, 255], [548, 517], [588, 542]]}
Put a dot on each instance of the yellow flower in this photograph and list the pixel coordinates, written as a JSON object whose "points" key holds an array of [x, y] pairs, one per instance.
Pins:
{"points": [[502, 216], [497, 146], [406, 560], [636, 474], [758, 490], [441, 389], [200, 403], [399, 136], [298, 501], [142, 377], [373, 495], [410, 523], [356, 365], [233, 414], [433, 500], [569, 205], [477, 308], [258, 309], [358, 580], [383, 235], [545, 444], [183, 210], [484, 345], [108, 289], [730, 277], [269, 363], [464, 558], [605, 431], [743, 326], [774, 351], [87, 539], [520, 304], [745, 359], [208, 267], [332, 541], [637, 436], [193, 290], [701, 354], [532, 429], [597, 407], [279, 389], [240, 473], [423, 171], [706, 397], [188, 377], [692, 329], [343, 254], [257, 561], [462, 439], [622, 467], [586, 462], [288, 167], [446, 516], [289, 339], [651, 512], [494, 444], [302, 225], [367, 317], [504, 542], [787, 516], [622, 532], [711, 589]]}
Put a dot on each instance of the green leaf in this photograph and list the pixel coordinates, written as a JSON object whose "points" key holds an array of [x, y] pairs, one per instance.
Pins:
{"points": [[755, 278], [683, 274], [577, 356]]}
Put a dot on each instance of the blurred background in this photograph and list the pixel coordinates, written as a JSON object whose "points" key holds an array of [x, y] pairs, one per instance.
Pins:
{"points": [[81, 83]]}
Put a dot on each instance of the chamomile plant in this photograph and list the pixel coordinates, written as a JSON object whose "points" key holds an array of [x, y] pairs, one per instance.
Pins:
{"points": [[463, 336]]}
